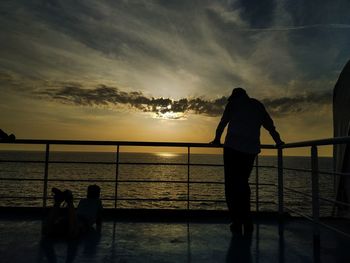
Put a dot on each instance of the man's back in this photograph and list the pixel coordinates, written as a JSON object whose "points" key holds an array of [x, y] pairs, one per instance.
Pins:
{"points": [[245, 116]]}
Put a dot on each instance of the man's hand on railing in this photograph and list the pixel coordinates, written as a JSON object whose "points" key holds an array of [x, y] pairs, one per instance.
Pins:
{"points": [[279, 144]]}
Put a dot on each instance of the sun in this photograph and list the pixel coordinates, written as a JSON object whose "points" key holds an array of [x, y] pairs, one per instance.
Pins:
{"points": [[170, 115]]}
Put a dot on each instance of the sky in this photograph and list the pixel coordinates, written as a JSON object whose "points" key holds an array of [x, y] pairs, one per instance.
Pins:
{"points": [[163, 70]]}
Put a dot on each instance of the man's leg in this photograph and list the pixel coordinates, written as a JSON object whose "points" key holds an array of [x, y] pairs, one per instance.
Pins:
{"points": [[238, 167], [233, 188], [228, 169], [247, 162]]}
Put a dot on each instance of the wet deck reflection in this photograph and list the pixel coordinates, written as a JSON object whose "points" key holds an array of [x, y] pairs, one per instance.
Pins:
{"points": [[20, 241]]}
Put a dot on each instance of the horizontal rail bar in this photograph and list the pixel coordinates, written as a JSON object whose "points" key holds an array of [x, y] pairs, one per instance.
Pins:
{"points": [[120, 143], [320, 223], [106, 199], [108, 181], [319, 171], [321, 198], [107, 163], [334, 201], [266, 166], [138, 199], [112, 181], [299, 213], [148, 199], [20, 197], [327, 141], [111, 163], [224, 201], [170, 181], [297, 169], [125, 181], [21, 161], [112, 199], [126, 163], [296, 191], [21, 179], [333, 173], [321, 142], [175, 164], [182, 182]]}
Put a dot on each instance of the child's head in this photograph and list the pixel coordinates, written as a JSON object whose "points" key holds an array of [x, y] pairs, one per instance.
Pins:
{"points": [[93, 191]]}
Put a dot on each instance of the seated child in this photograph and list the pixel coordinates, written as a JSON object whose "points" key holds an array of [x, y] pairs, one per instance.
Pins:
{"points": [[65, 221], [89, 209]]}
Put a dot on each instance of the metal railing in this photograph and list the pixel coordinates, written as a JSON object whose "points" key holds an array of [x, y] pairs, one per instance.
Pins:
{"points": [[116, 181], [315, 191], [315, 172]]}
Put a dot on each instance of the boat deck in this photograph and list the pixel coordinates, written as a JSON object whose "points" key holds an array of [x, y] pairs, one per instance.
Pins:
{"points": [[137, 241]]}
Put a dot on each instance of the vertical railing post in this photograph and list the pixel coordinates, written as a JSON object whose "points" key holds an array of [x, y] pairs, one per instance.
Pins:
{"points": [[188, 177], [315, 193], [46, 174], [188, 206], [116, 178], [257, 183], [280, 182], [280, 191]]}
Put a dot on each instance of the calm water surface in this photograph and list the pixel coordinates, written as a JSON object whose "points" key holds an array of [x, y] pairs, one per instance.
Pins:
{"points": [[209, 190]]}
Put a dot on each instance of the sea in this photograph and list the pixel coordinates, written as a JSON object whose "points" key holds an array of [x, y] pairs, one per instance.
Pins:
{"points": [[157, 180]]}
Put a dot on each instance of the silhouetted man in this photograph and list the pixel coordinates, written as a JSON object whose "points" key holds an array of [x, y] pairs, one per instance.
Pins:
{"points": [[244, 116]]}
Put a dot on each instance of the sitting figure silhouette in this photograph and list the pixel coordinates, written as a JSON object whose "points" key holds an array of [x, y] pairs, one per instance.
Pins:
{"points": [[5, 137], [244, 116], [65, 221], [89, 209]]}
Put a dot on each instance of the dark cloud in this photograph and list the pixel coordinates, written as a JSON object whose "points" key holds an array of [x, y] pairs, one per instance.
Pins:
{"points": [[256, 12], [103, 95], [288, 105], [112, 96], [318, 12]]}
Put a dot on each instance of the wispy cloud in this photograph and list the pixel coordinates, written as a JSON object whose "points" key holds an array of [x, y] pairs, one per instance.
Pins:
{"points": [[113, 97], [285, 106], [176, 49]]}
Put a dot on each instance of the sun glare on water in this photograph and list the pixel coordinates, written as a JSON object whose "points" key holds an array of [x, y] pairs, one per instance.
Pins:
{"points": [[166, 154]]}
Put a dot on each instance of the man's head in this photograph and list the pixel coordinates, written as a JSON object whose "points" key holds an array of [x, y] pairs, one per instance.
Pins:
{"points": [[238, 93], [93, 191]]}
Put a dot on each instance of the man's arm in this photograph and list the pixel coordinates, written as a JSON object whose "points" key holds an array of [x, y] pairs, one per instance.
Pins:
{"points": [[222, 124], [270, 127]]}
